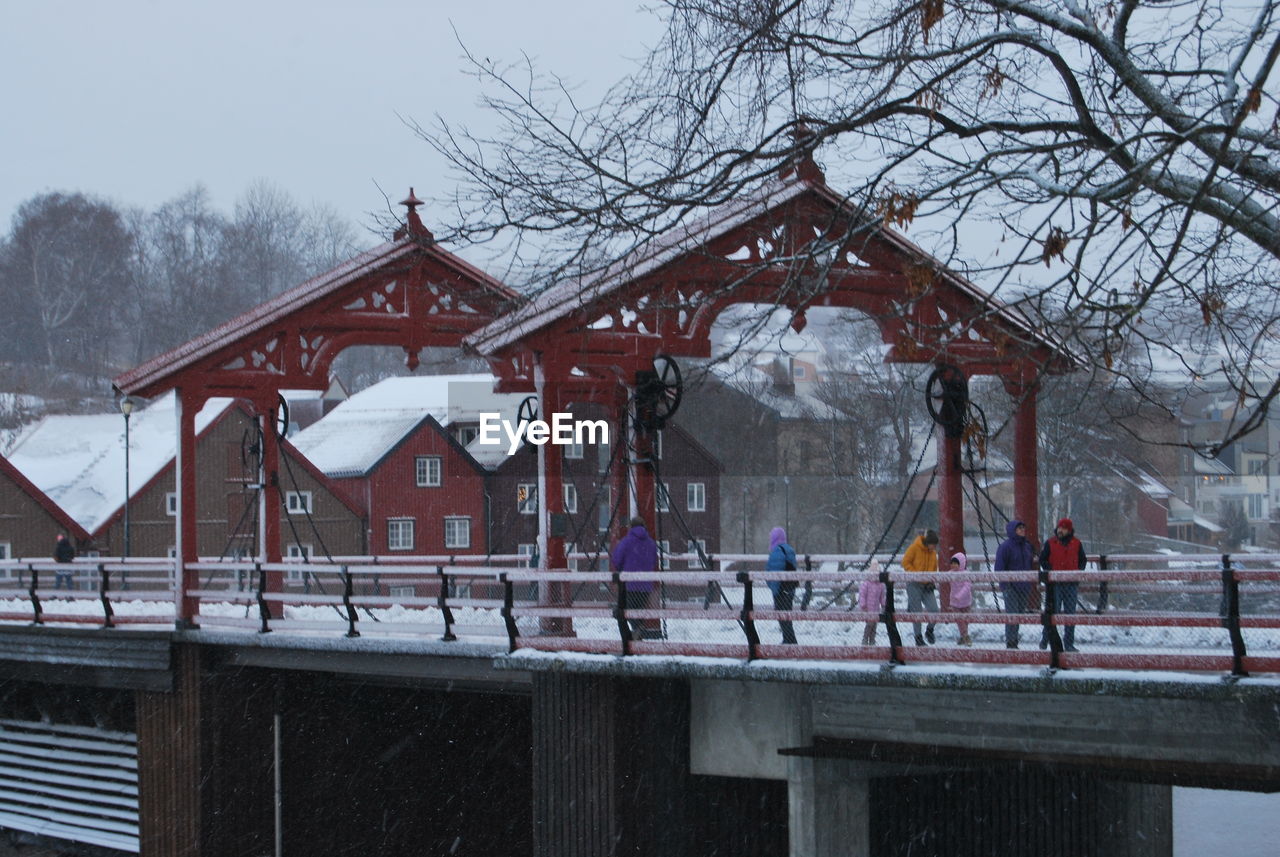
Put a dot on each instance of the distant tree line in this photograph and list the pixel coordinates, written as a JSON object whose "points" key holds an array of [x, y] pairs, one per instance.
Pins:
{"points": [[90, 288]]}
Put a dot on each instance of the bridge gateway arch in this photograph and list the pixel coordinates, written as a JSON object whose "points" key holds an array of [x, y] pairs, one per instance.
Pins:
{"points": [[613, 755]]}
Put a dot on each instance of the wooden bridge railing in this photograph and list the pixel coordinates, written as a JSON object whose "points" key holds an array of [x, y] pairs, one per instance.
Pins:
{"points": [[1131, 612]]}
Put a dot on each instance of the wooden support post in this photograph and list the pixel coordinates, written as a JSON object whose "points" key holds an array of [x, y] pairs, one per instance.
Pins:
{"points": [[186, 406]]}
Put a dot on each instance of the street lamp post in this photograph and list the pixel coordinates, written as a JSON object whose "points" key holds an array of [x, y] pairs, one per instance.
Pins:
{"points": [[786, 484], [126, 408]]}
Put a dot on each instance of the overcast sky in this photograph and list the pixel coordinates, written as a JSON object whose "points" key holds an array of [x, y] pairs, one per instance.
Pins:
{"points": [[138, 101]]}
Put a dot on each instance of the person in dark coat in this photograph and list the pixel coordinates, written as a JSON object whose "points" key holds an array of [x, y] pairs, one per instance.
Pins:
{"points": [[1064, 552], [636, 551], [63, 551], [1014, 554], [782, 557]]}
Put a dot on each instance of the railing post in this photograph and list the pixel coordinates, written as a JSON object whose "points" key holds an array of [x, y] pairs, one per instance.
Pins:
{"points": [[1231, 600], [891, 625], [1104, 594], [264, 610], [442, 602], [620, 613], [348, 589], [35, 599], [748, 620], [808, 584], [104, 582], [508, 605], [1050, 630]]}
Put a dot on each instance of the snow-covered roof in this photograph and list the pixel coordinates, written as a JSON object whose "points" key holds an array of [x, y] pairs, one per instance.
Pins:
{"points": [[360, 432], [1202, 466], [78, 460]]}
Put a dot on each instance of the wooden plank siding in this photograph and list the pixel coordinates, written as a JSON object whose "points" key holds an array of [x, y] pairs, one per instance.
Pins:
{"points": [[223, 488]]}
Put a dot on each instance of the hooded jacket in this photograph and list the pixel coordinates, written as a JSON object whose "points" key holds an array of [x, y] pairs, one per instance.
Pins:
{"points": [[871, 593], [781, 555], [920, 557], [636, 552], [1014, 553], [961, 590]]}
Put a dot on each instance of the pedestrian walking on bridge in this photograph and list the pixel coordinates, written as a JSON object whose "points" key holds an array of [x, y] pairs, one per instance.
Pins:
{"points": [[63, 552], [1064, 552], [1014, 554], [922, 557], [782, 557], [637, 551]]}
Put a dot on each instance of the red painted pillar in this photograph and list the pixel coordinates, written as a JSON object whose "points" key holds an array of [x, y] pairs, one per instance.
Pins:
{"points": [[186, 406], [950, 504], [271, 503], [551, 505], [1026, 483]]}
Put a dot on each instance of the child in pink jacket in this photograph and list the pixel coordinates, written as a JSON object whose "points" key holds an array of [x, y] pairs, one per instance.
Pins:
{"points": [[871, 600], [961, 596]]}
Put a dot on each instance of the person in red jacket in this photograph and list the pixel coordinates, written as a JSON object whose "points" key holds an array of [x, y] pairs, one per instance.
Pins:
{"points": [[1063, 552]]}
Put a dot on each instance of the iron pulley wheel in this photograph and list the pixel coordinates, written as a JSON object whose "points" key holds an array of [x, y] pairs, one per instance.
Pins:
{"points": [[947, 397], [658, 393], [282, 417]]}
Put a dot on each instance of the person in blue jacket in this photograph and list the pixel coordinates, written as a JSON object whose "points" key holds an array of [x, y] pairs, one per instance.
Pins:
{"points": [[1014, 554], [782, 557]]}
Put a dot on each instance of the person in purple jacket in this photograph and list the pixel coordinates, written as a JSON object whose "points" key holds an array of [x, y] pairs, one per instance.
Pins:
{"points": [[1015, 554], [636, 551]]}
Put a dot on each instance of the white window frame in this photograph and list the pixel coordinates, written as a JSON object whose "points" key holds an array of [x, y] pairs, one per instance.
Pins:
{"points": [[465, 434], [171, 503], [401, 524], [422, 475], [527, 550], [694, 544], [401, 592], [696, 491], [171, 552], [299, 502], [662, 497], [664, 554], [296, 551], [570, 497], [6, 550], [605, 509], [455, 544], [574, 450], [528, 506]]}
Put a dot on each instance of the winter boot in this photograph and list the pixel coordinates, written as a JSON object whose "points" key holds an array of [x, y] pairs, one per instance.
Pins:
{"points": [[966, 640], [928, 635], [919, 640]]}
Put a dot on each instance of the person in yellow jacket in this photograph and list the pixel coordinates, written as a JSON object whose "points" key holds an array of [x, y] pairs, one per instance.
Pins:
{"points": [[922, 556]]}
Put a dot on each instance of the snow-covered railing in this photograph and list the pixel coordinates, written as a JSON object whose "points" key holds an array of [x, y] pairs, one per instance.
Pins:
{"points": [[1131, 611]]}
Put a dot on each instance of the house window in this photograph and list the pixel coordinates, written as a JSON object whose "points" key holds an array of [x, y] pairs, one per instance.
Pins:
{"points": [[427, 471], [697, 547], [400, 591], [527, 498], [457, 532], [797, 372], [171, 552], [605, 511], [298, 502], [466, 434], [1255, 505], [1257, 467], [697, 496], [298, 552], [573, 450], [571, 498], [664, 554], [400, 534], [4, 551], [171, 503], [529, 551], [663, 497]]}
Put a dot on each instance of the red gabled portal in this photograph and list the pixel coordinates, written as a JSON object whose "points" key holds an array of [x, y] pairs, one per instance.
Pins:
{"points": [[409, 293], [795, 245]]}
